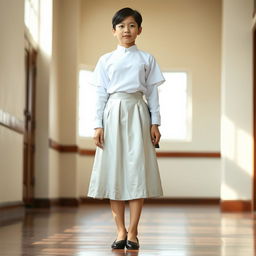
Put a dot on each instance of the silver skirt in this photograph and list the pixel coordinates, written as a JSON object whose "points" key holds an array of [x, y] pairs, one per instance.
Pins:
{"points": [[127, 167]]}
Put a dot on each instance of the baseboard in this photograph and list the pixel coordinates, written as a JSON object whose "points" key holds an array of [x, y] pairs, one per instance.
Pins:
{"points": [[44, 202], [75, 202], [89, 200], [173, 200], [11, 212], [49, 202], [165, 200], [236, 206], [225, 205]]}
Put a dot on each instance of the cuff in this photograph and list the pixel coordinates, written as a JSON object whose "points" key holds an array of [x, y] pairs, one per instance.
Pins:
{"points": [[98, 124], [155, 118]]}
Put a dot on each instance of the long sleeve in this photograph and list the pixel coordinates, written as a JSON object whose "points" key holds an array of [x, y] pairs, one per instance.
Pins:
{"points": [[101, 100], [154, 79], [153, 104], [100, 80]]}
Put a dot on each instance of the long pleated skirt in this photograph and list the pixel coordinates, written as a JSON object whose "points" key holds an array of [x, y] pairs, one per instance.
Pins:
{"points": [[126, 168]]}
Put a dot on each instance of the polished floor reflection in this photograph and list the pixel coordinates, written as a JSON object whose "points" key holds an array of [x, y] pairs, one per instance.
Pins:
{"points": [[165, 230]]}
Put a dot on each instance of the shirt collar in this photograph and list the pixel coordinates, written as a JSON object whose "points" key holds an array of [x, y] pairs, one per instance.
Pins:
{"points": [[124, 49]]}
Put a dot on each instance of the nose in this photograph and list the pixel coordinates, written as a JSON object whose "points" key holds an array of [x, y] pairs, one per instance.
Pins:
{"points": [[126, 29]]}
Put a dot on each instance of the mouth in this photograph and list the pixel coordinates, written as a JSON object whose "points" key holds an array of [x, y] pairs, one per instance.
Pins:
{"points": [[126, 36]]}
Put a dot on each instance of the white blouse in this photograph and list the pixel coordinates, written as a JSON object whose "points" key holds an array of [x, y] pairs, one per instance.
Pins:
{"points": [[127, 70]]}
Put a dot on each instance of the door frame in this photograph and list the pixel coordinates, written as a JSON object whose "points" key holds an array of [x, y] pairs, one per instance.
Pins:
{"points": [[254, 120], [30, 55]]}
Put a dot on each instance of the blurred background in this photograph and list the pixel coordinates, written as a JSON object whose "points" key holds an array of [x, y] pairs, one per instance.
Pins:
{"points": [[48, 51]]}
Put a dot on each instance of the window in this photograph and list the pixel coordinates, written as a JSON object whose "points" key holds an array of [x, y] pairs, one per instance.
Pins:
{"points": [[86, 104], [32, 18], [174, 106]]}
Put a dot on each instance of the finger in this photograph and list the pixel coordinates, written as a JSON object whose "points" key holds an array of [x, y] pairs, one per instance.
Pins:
{"points": [[152, 134], [99, 145], [157, 138], [153, 137], [155, 141], [102, 138], [97, 140]]}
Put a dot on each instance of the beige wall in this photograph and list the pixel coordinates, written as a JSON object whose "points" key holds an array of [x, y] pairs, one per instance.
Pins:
{"points": [[54, 105], [182, 35], [12, 74], [57, 173], [68, 36], [237, 100], [63, 177], [44, 73], [12, 98], [11, 167]]}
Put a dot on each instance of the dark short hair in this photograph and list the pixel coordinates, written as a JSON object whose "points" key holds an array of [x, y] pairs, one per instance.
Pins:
{"points": [[124, 13]]}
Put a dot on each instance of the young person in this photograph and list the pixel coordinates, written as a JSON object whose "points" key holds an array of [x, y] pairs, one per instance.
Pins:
{"points": [[126, 127]]}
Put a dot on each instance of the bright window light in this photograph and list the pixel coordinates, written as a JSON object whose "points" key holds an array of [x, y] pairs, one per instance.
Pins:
{"points": [[32, 17], [86, 104], [174, 106]]}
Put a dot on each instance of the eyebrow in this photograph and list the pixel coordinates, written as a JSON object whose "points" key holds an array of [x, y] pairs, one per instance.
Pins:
{"points": [[128, 23]]}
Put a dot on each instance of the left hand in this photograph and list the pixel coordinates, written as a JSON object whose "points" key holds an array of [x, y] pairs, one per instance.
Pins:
{"points": [[155, 134]]}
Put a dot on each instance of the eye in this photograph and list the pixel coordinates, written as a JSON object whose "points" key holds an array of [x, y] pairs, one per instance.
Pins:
{"points": [[121, 26]]}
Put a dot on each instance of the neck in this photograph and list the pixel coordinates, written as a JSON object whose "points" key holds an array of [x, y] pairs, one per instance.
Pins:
{"points": [[128, 45]]}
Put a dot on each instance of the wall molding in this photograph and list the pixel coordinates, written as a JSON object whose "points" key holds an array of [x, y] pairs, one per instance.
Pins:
{"points": [[63, 148], [76, 202], [49, 202], [225, 205], [13, 204], [90, 152], [11, 122], [236, 206], [162, 200], [189, 154], [11, 212]]}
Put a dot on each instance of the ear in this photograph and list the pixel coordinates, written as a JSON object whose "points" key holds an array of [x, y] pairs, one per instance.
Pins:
{"points": [[114, 32], [140, 30]]}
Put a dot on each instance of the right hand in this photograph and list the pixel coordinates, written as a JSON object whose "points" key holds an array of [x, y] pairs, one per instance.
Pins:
{"points": [[99, 137]]}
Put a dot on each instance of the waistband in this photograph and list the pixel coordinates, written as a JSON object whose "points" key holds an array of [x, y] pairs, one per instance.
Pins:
{"points": [[124, 95]]}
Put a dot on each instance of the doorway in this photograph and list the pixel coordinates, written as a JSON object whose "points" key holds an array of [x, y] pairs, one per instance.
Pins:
{"points": [[254, 120], [30, 126]]}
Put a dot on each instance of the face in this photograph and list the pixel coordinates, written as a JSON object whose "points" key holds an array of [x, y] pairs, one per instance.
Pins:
{"points": [[127, 31]]}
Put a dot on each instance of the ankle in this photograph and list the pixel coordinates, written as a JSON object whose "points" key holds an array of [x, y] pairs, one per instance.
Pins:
{"points": [[132, 237], [122, 231], [121, 234], [133, 232]]}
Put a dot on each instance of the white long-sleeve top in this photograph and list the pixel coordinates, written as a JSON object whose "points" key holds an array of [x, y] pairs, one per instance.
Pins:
{"points": [[127, 70]]}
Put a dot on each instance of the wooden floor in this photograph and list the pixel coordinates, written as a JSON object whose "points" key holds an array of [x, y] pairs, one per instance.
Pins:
{"points": [[166, 230]]}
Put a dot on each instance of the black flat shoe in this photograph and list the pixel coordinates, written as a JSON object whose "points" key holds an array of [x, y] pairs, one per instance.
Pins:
{"points": [[119, 244], [130, 245]]}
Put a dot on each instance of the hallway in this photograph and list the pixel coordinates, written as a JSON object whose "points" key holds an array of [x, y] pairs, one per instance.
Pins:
{"points": [[49, 50], [166, 230]]}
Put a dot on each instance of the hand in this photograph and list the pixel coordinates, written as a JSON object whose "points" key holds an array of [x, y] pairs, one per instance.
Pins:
{"points": [[155, 134], [99, 137]]}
